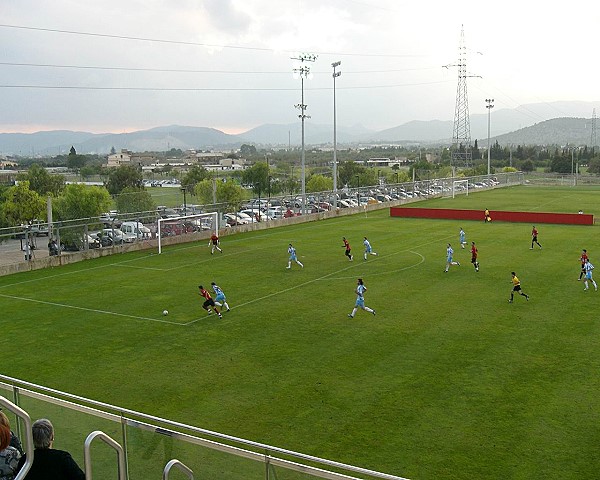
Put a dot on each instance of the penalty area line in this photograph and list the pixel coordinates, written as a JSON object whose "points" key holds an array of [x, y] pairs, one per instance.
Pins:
{"points": [[91, 310]]}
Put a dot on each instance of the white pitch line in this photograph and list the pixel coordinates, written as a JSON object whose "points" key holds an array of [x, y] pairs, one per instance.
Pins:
{"points": [[92, 310], [388, 271], [308, 282]]}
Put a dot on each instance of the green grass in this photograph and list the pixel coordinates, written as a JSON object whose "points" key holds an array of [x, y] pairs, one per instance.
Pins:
{"points": [[448, 381]]}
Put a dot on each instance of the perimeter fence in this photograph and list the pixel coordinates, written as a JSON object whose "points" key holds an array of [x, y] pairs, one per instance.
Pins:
{"points": [[42, 244]]}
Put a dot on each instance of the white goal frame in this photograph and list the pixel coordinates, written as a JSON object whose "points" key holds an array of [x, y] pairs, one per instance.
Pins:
{"points": [[460, 182], [195, 219]]}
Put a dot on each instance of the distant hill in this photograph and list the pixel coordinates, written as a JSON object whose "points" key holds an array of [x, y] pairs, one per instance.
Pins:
{"points": [[541, 123], [558, 131]]}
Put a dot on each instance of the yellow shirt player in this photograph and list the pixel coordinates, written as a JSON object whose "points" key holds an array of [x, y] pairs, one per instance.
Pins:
{"points": [[486, 216], [516, 288]]}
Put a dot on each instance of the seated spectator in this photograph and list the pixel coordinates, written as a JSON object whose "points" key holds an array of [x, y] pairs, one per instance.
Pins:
{"points": [[49, 463], [14, 440], [9, 456]]}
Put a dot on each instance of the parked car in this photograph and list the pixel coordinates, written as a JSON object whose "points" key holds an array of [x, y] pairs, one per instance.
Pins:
{"points": [[137, 229], [232, 220]]}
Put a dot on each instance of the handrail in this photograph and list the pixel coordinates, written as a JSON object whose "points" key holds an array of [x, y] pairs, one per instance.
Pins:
{"points": [[19, 412], [87, 457], [180, 466], [267, 449]]}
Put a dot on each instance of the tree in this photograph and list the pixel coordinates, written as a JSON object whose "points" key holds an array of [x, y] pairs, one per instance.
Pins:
{"points": [[112, 150], [193, 176], [561, 165], [258, 177], [204, 191], [527, 166], [247, 150], [22, 205], [319, 183], [132, 200], [230, 194], [74, 161], [123, 177], [42, 182], [594, 166], [82, 201], [347, 171]]}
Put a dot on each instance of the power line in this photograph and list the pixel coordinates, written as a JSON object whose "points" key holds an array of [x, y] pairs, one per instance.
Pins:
{"points": [[194, 44], [179, 70], [208, 89]]}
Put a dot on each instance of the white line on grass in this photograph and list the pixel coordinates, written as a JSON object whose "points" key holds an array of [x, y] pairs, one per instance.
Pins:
{"points": [[323, 277], [388, 271], [91, 310]]}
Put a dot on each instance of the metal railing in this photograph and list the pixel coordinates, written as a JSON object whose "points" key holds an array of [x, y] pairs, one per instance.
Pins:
{"points": [[215, 454]]}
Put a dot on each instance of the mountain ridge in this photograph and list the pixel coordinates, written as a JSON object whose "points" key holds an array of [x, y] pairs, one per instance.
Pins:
{"points": [[508, 126]]}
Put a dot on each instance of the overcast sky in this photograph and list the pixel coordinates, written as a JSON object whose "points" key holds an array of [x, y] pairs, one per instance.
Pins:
{"points": [[117, 66]]}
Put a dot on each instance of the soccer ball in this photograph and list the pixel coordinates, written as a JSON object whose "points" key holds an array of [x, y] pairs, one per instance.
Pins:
{"points": [[165, 312]]}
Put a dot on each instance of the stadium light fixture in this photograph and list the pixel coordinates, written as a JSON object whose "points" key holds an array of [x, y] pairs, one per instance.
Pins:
{"points": [[303, 71], [489, 106], [335, 75]]}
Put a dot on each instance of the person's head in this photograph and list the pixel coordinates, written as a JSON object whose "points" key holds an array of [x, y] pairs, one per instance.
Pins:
{"points": [[360, 281], [473, 243], [4, 436], [212, 283], [43, 433], [200, 287], [4, 419], [449, 245], [513, 274], [343, 238], [584, 250]]}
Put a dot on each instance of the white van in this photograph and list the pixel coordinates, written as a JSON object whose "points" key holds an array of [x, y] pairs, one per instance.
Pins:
{"points": [[136, 228]]}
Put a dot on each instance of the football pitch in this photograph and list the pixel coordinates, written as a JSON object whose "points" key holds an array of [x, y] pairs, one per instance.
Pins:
{"points": [[447, 381]]}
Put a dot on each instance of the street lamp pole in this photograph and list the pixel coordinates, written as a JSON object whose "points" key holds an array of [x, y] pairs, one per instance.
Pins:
{"points": [[489, 106], [304, 72], [183, 189], [358, 189], [335, 75]]}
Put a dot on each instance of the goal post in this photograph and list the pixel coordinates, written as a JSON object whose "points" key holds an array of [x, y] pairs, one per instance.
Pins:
{"points": [[460, 186], [186, 224]]}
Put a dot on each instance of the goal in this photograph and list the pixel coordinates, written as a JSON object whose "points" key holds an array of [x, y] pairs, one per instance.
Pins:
{"points": [[460, 186], [186, 224]]}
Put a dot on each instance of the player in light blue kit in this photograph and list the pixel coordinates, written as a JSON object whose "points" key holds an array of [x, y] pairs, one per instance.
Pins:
{"points": [[220, 299], [449, 260], [588, 275], [368, 248], [360, 299], [293, 258], [461, 238]]}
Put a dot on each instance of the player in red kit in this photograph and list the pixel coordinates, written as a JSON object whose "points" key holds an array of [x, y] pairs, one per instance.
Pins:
{"points": [[214, 241], [348, 249], [209, 303], [534, 235], [584, 258], [474, 260]]}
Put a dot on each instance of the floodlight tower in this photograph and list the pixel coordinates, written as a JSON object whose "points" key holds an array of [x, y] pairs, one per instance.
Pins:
{"points": [[462, 156], [335, 75], [489, 106], [303, 71]]}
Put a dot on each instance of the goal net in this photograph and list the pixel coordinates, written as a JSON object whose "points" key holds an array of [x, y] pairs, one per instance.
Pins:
{"points": [[185, 225], [460, 186]]}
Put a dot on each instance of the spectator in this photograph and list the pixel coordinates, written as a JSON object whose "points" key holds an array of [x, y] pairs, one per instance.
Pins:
{"points": [[48, 463], [9, 456], [14, 440]]}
